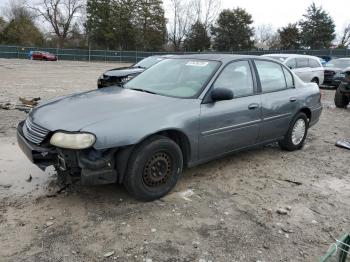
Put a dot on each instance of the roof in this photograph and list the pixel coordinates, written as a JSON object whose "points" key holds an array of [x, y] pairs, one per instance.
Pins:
{"points": [[215, 56], [288, 55]]}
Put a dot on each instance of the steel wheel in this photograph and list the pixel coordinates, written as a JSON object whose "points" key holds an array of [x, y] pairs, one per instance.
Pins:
{"points": [[157, 170], [298, 131]]}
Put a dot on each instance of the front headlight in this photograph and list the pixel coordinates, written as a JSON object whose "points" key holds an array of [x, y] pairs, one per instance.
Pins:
{"points": [[72, 140]]}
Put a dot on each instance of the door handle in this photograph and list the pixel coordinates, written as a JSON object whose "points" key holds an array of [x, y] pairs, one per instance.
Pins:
{"points": [[292, 99], [253, 106]]}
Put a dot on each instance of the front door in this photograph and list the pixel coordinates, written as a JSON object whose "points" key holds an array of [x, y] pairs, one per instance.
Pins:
{"points": [[231, 124]]}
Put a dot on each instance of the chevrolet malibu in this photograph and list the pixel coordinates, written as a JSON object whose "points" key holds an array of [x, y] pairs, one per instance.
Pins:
{"points": [[180, 113]]}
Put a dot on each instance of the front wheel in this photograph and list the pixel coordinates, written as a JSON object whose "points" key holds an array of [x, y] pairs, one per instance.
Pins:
{"points": [[315, 80], [153, 168], [296, 134]]}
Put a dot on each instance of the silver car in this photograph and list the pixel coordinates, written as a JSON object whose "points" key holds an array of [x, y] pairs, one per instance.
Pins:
{"points": [[181, 112], [308, 68]]}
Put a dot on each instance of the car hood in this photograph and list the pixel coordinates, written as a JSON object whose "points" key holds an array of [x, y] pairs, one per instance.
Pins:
{"points": [[124, 71], [334, 69], [74, 112]]}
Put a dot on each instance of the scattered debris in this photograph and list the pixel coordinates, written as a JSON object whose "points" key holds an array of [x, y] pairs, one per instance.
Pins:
{"points": [[108, 254], [24, 105], [30, 102], [5, 185], [343, 143], [291, 181], [282, 211], [287, 230], [153, 230], [49, 223], [29, 179], [289, 208], [186, 194]]}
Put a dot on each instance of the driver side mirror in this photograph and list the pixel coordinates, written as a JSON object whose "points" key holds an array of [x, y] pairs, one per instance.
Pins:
{"points": [[219, 94]]}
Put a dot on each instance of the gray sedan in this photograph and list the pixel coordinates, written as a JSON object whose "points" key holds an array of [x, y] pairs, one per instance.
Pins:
{"points": [[182, 112]]}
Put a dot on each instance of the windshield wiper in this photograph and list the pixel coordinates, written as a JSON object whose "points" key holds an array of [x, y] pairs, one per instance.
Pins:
{"points": [[142, 67], [143, 90]]}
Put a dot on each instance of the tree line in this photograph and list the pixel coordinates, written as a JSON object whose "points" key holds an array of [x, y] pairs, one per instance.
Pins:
{"points": [[196, 25]]}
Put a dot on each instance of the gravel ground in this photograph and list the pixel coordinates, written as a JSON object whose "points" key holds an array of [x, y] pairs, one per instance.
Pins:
{"points": [[225, 210]]}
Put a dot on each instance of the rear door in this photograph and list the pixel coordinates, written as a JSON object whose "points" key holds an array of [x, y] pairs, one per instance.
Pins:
{"points": [[231, 124], [303, 69], [278, 99]]}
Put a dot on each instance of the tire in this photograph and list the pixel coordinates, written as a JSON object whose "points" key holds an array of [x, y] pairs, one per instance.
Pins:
{"points": [[315, 80], [153, 169], [340, 100], [294, 141]]}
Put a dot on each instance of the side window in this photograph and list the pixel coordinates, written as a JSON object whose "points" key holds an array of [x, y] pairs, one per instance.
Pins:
{"points": [[302, 62], [289, 78], [237, 76], [313, 63], [271, 76], [292, 63]]}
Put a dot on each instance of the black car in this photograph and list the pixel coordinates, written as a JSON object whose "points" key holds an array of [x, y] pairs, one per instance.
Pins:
{"points": [[334, 71], [121, 75], [342, 95]]}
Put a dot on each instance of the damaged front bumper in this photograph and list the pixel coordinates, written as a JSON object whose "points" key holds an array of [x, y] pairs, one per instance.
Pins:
{"points": [[93, 166]]}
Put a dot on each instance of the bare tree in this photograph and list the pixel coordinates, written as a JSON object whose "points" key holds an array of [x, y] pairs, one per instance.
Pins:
{"points": [[263, 34], [16, 9], [206, 11], [345, 37], [60, 14], [185, 13], [180, 22]]}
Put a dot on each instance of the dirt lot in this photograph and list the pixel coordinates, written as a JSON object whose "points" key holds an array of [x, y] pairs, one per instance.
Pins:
{"points": [[224, 210]]}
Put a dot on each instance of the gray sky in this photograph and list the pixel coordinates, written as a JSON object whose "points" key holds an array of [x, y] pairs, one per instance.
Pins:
{"points": [[281, 12], [278, 13]]}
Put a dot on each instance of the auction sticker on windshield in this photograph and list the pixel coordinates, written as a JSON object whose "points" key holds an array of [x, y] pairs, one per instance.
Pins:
{"points": [[197, 63]]}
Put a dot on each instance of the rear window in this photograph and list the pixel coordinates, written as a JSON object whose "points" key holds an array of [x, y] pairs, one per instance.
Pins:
{"points": [[302, 62]]}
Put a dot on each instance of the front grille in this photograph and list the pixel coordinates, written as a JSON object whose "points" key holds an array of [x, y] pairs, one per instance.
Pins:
{"points": [[33, 132]]}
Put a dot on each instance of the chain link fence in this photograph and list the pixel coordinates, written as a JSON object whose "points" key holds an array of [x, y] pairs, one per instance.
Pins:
{"points": [[135, 56]]}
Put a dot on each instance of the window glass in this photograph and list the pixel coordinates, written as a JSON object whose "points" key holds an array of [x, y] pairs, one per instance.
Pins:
{"points": [[271, 76], [302, 62], [289, 78], [292, 63], [182, 77], [313, 63], [236, 76]]}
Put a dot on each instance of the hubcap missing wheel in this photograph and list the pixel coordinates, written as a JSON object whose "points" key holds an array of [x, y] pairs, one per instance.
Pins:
{"points": [[157, 169]]}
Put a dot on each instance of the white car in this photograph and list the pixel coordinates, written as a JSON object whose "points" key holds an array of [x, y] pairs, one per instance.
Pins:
{"points": [[308, 68]]}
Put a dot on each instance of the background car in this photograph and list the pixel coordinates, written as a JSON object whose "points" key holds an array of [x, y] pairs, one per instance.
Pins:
{"points": [[124, 74], [183, 111], [334, 71], [342, 95], [40, 55], [308, 68]]}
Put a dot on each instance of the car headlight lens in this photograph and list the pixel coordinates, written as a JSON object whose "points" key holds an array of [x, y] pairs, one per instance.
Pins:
{"points": [[72, 140]]}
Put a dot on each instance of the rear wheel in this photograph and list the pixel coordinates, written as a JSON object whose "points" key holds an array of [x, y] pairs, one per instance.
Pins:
{"points": [[340, 99], [296, 134], [153, 168]]}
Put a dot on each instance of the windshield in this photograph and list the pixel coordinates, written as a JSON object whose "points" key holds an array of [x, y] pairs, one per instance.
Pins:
{"points": [[278, 58], [149, 61], [340, 63], [183, 78]]}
